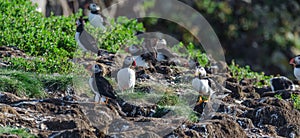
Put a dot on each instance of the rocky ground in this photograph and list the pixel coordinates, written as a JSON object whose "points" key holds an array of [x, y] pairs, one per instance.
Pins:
{"points": [[248, 111]]}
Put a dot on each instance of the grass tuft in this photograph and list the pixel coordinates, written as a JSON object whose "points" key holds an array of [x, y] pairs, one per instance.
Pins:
{"points": [[296, 100], [20, 132]]}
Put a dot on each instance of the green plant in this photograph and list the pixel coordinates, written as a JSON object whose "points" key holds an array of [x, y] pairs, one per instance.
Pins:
{"points": [[21, 83], [120, 32], [51, 39], [296, 100], [278, 96], [246, 72], [168, 99], [193, 117], [33, 85], [56, 83], [198, 54], [21, 132]]}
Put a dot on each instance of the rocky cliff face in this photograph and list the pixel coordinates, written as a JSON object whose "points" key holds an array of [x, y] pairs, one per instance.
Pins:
{"points": [[248, 111], [265, 116]]}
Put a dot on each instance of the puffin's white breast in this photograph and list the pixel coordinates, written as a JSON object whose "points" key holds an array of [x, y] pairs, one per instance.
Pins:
{"points": [[297, 73], [126, 78], [140, 62], [201, 85], [160, 57], [91, 83], [96, 20]]}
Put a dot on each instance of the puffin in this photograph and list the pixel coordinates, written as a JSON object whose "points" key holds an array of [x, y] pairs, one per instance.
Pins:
{"points": [[101, 86], [126, 75], [142, 57], [163, 53], [94, 17], [85, 40], [281, 83], [201, 84], [296, 63]]}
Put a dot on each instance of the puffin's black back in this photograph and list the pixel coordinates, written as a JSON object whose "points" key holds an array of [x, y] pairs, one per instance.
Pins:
{"points": [[281, 83], [104, 87], [166, 52], [88, 41]]}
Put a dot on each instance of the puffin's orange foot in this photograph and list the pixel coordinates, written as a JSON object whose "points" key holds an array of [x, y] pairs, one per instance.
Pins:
{"points": [[200, 101]]}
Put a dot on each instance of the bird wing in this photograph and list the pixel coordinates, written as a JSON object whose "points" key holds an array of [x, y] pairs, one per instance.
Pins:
{"points": [[88, 41], [105, 88], [217, 90], [166, 52]]}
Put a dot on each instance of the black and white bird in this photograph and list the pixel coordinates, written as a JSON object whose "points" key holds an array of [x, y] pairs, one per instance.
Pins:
{"points": [[296, 63], [207, 86], [163, 53], [100, 86], [201, 84], [281, 83], [94, 16], [126, 76], [142, 58], [85, 40]]}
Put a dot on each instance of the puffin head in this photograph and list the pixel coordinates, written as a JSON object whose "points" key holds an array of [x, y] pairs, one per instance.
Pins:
{"points": [[161, 42], [79, 22], [295, 61], [200, 71], [94, 7], [129, 61], [96, 68]]}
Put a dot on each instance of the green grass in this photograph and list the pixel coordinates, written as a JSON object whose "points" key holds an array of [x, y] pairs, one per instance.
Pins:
{"points": [[20, 132], [296, 100], [21, 83], [56, 83], [278, 96], [168, 99], [51, 39], [33, 85]]}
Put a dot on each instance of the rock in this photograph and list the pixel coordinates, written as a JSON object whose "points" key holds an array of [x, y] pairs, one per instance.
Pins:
{"points": [[45, 118], [210, 128], [247, 82], [274, 112], [8, 98], [149, 135], [236, 90], [233, 80]]}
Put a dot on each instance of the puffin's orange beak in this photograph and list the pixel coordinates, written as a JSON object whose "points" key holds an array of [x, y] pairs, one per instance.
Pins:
{"points": [[292, 61]]}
